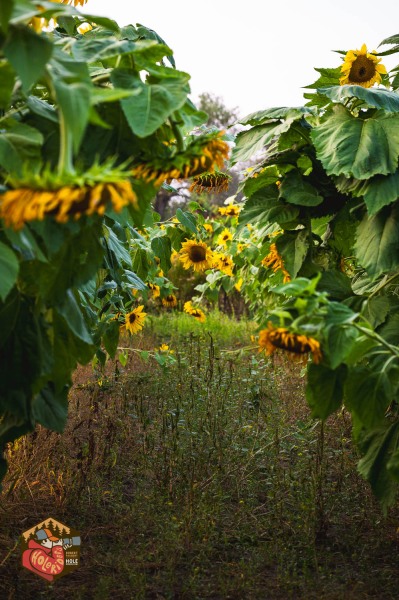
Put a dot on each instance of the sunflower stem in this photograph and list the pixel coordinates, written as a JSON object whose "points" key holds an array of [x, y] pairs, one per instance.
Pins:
{"points": [[175, 128]]}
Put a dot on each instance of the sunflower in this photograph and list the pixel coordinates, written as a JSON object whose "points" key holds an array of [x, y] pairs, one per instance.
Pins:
{"points": [[275, 338], [196, 254], [203, 154], [134, 321], [224, 237], [208, 228], [224, 263], [170, 301], [210, 182], [274, 261], [231, 210], [21, 205], [155, 289], [361, 68], [198, 314], [188, 307]]}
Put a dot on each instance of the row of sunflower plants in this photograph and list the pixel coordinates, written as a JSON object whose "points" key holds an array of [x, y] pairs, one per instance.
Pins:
{"points": [[315, 247], [95, 118]]}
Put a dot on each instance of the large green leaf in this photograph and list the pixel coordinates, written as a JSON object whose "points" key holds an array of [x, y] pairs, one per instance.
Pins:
{"points": [[153, 104], [8, 315], [374, 97], [340, 342], [265, 208], [255, 139], [9, 268], [187, 219], [296, 190], [28, 54], [7, 79], [50, 407], [261, 117], [18, 143], [324, 389], [162, 248], [368, 395], [266, 177], [379, 191], [377, 244], [72, 313], [353, 146], [293, 247], [378, 447], [74, 102]]}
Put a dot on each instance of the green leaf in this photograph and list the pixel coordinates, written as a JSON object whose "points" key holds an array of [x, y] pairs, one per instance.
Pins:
{"points": [[42, 109], [266, 177], [265, 208], [340, 342], [377, 244], [134, 280], [293, 247], [327, 77], [6, 8], [28, 54], [18, 143], [324, 389], [375, 310], [252, 141], [8, 315], [374, 97], [50, 407], [187, 219], [358, 147], [153, 104], [72, 313], [162, 248], [25, 243], [115, 246], [379, 191], [111, 337], [378, 447], [7, 81], [339, 314], [296, 190], [74, 102], [9, 269], [336, 284], [368, 395]]}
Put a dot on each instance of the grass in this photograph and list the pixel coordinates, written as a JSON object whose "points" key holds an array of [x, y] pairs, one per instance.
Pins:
{"points": [[204, 480]]}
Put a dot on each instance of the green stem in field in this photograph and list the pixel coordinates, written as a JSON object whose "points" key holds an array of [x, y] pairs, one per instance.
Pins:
{"points": [[375, 336], [65, 162]]}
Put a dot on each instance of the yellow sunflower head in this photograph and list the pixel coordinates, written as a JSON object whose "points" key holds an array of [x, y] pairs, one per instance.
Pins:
{"points": [[208, 228], [155, 289], [196, 254], [134, 321], [188, 307], [231, 210], [280, 338], [224, 237], [361, 68], [224, 263], [170, 301], [198, 315], [274, 261]]}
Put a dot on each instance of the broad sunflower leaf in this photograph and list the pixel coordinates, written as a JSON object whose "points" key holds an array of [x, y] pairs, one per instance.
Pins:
{"points": [[255, 139], [374, 97], [146, 111], [327, 77], [134, 280], [324, 389], [357, 147], [114, 245], [50, 407], [336, 284], [7, 80], [379, 191], [28, 54], [72, 313], [375, 310], [162, 248], [74, 101], [9, 268], [368, 395], [266, 177], [8, 314], [340, 341], [283, 112], [293, 247], [187, 219], [296, 190], [264, 208], [377, 243], [110, 337], [378, 447], [18, 143]]}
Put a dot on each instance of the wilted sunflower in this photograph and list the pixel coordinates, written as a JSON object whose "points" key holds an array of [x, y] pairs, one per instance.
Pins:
{"points": [[204, 153], [155, 289], [274, 261], [134, 321], [196, 254], [170, 301], [19, 206], [275, 338], [224, 237], [361, 68], [231, 210], [224, 263], [215, 182]]}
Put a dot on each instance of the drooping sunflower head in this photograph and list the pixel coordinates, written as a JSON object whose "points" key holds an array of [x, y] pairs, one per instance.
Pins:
{"points": [[362, 68], [134, 321], [274, 261], [155, 289], [215, 182], [196, 254], [281, 338], [170, 301], [198, 315]]}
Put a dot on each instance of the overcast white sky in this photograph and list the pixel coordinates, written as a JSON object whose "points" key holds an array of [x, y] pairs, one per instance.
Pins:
{"points": [[256, 54]]}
